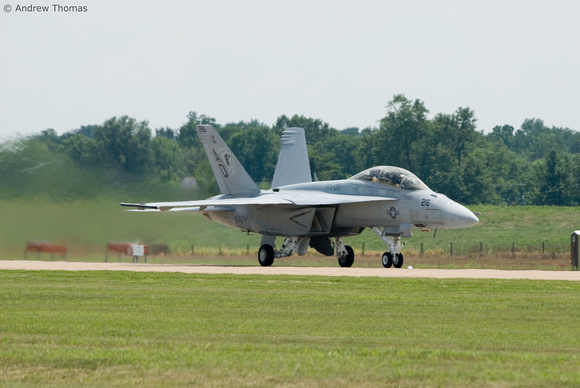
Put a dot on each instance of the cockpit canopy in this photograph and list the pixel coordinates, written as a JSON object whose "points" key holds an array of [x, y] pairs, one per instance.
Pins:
{"points": [[392, 176]]}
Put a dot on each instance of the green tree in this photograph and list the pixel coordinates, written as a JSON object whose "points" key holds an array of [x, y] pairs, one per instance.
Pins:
{"points": [[503, 134], [554, 181], [124, 143], [187, 134], [314, 129], [167, 158], [439, 170], [257, 149], [405, 122], [351, 131], [335, 157], [81, 149], [166, 132], [509, 171], [455, 131], [29, 168], [478, 182], [368, 152], [50, 138], [574, 166]]}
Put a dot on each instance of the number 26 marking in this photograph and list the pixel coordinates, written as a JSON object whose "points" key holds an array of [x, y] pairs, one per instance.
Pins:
{"points": [[425, 202]]}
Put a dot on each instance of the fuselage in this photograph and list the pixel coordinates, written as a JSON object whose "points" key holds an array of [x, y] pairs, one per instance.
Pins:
{"points": [[405, 205], [423, 208]]}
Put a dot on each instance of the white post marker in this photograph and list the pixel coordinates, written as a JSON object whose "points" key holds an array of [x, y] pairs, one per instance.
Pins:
{"points": [[138, 250]]}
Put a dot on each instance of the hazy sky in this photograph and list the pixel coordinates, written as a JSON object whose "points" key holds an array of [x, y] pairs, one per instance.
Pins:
{"points": [[340, 61]]}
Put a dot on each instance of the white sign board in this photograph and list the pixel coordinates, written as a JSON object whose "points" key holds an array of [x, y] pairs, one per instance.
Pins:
{"points": [[138, 250]]}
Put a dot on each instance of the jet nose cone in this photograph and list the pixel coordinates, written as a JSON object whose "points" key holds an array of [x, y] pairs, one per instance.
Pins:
{"points": [[458, 216]]}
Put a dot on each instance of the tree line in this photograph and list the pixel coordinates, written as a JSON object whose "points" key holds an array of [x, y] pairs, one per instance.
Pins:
{"points": [[533, 165]]}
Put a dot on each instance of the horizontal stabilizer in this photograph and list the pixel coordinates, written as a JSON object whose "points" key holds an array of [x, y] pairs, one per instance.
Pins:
{"points": [[168, 207]]}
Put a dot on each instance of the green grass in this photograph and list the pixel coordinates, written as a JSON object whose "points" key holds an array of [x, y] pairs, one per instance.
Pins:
{"points": [[150, 329], [86, 227]]}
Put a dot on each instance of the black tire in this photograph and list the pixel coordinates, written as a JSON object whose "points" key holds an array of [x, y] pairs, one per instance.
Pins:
{"points": [[348, 260], [266, 255], [398, 260], [387, 260]]}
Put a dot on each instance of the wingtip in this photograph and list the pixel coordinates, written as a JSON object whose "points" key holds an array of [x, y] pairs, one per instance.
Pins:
{"points": [[140, 206]]}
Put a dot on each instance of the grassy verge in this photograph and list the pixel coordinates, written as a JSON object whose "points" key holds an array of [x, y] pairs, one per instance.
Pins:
{"points": [[516, 235], [148, 329]]}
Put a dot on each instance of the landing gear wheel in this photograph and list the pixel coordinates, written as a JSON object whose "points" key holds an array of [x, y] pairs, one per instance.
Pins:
{"points": [[398, 260], [266, 255], [346, 261], [387, 259]]}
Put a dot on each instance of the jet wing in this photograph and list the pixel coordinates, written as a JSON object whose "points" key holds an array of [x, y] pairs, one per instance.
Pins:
{"points": [[289, 198], [317, 198]]}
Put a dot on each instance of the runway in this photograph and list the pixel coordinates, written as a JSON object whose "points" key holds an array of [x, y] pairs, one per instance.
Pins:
{"points": [[303, 271]]}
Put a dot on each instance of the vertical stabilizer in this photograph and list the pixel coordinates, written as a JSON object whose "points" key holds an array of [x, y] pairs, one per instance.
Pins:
{"points": [[231, 176], [293, 165]]}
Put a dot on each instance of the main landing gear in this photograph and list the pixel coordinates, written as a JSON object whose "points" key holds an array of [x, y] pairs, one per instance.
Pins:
{"points": [[267, 253], [344, 253]]}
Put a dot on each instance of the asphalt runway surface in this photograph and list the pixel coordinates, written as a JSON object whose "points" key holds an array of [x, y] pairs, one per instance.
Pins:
{"points": [[274, 270]]}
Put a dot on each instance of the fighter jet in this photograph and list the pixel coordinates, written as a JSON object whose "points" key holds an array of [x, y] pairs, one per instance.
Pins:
{"points": [[306, 213]]}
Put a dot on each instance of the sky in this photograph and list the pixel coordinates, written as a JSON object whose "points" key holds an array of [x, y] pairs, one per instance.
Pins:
{"points": [[339, 61]]}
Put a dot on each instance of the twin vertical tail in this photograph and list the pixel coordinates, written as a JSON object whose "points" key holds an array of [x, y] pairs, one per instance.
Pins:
{"points": [[293, 165], [231, 176]]}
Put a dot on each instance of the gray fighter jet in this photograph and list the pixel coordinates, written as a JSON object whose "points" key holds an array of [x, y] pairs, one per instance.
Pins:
{"points": [[389, 200]]}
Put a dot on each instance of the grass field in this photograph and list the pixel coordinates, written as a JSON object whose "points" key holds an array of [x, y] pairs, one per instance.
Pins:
{"points": [[151, 329], [511, 237]]}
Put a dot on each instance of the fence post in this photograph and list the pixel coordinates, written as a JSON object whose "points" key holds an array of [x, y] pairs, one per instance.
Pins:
{"points": [[451, 249], [422, 248], [574, 250], [363, 249]]}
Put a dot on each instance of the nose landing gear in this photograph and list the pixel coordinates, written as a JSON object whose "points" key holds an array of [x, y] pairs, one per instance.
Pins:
{"points": [[393, 257], [389, 260]]}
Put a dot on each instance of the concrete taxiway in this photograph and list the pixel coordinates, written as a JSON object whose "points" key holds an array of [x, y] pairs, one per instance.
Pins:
{"points": [[274, 270]]}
